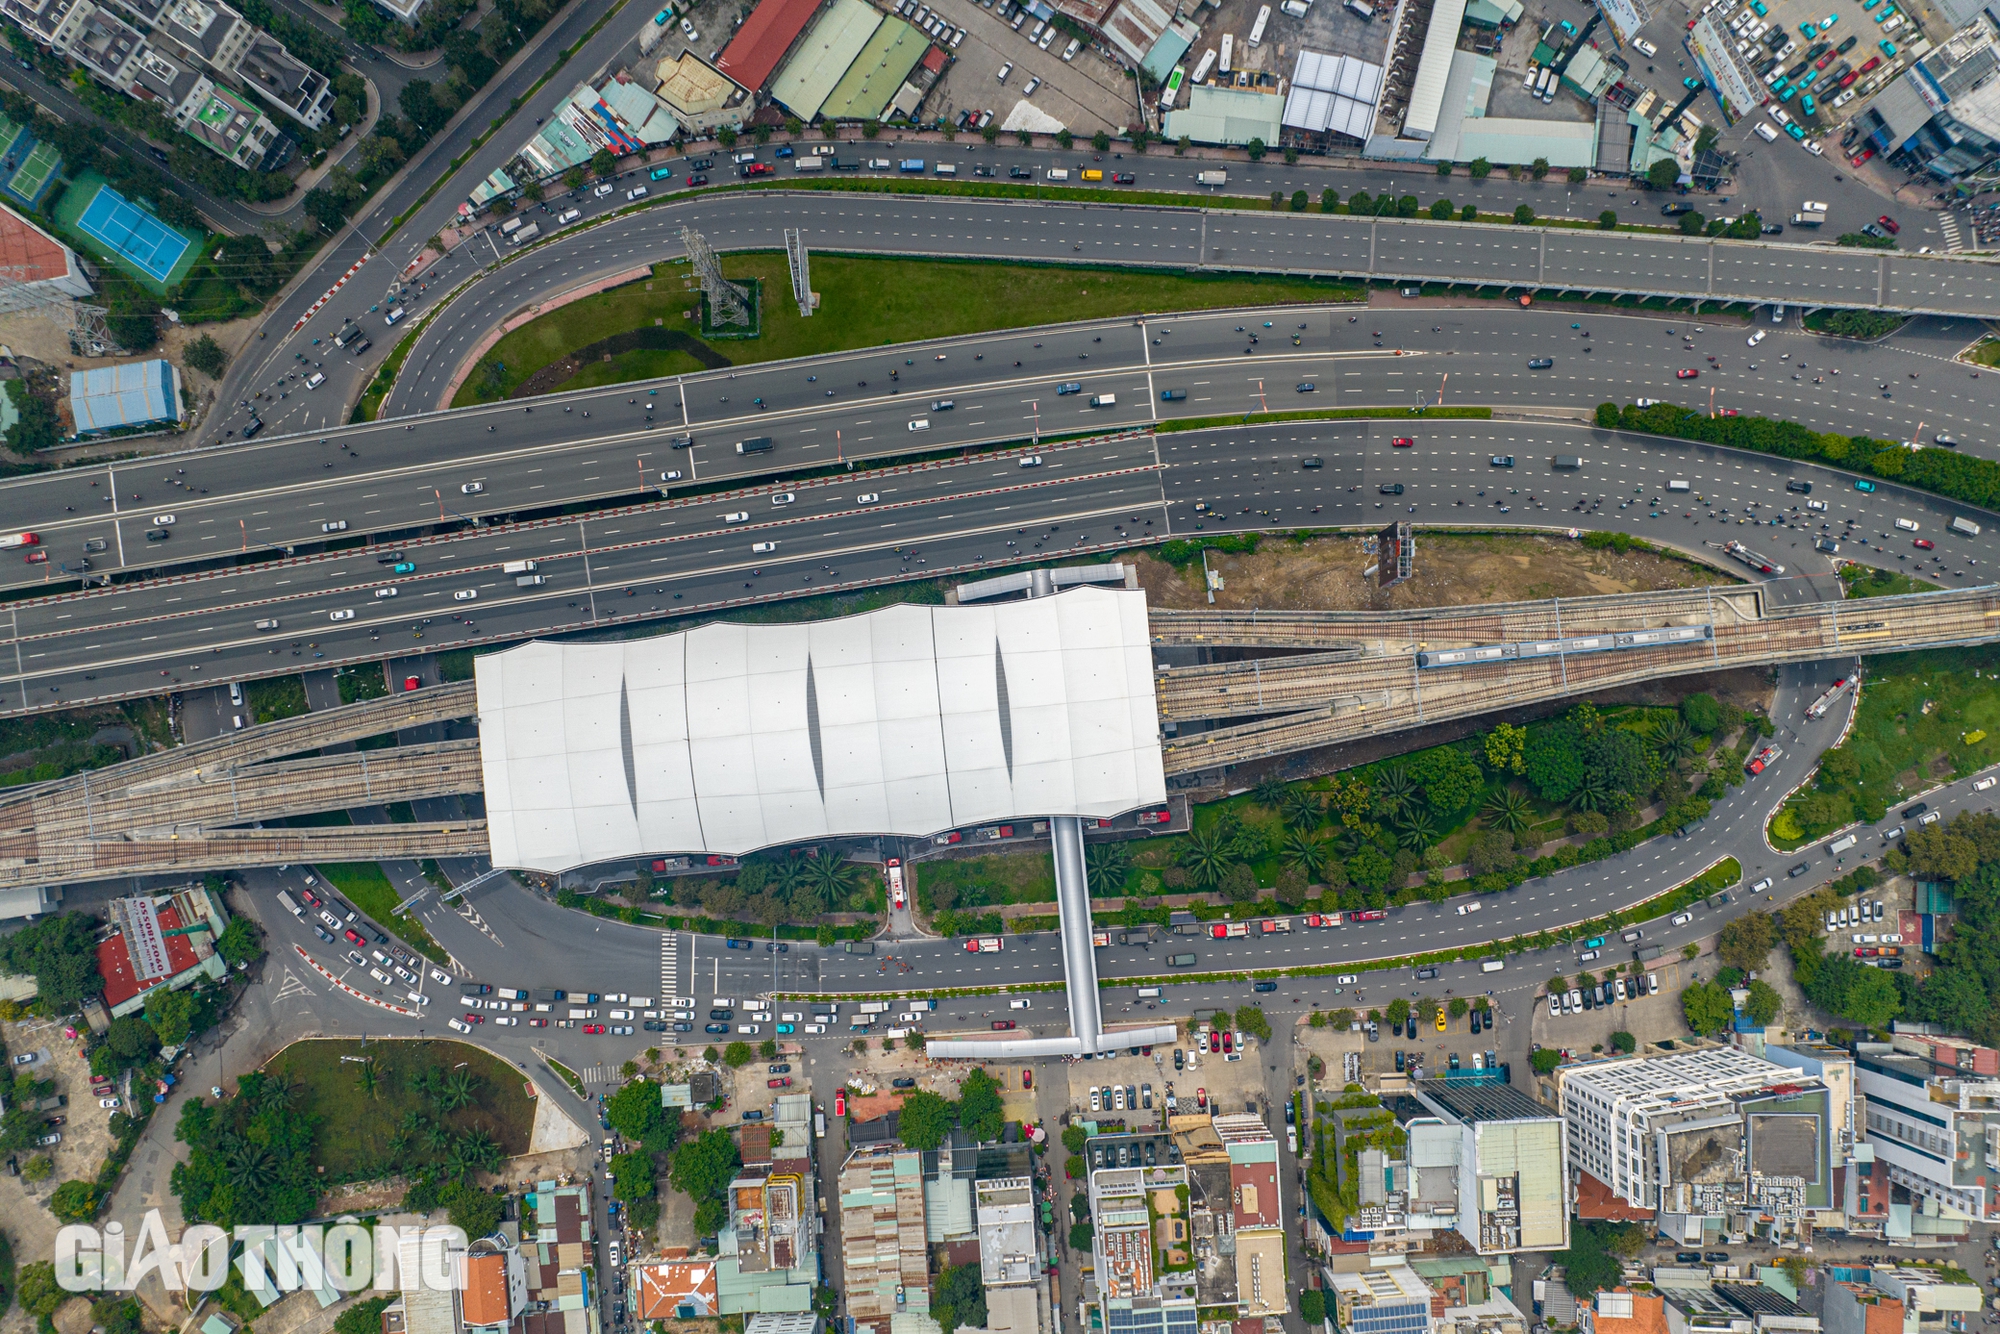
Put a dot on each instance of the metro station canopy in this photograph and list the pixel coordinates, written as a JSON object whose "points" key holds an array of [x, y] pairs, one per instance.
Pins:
{"points": [[908, 720]]}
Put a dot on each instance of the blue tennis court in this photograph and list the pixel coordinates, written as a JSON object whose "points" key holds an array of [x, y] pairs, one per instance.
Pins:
{"points": [[129, 231]]}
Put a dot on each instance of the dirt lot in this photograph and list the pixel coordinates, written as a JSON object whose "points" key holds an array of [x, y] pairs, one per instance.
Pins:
{"points": [[1325, 574], [86, 1137]]}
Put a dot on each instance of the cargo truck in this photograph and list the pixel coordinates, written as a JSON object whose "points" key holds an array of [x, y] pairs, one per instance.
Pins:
{"points": [[1104, 400], [1182, 960], [1215, 179], [756, 444], [1964, 527], [1229, 930], [860, 947], [873, 1007]]}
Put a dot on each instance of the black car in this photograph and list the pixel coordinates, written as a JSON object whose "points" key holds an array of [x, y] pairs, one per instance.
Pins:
{"points": [[683, 1028], [723, 1016], [1265, 986], [1912, 812], [776, 947], [1426, 974], [1687, 1257], [1020, 173], [905, 1083], [1540, 363], [1716, 1257], [1675, 210], [1312, 461], [715, 1028], [783, 1068], [157, 534], [656, 1026], [1399, 1062], [1799, 870], [1391, 489], [701, 163]]}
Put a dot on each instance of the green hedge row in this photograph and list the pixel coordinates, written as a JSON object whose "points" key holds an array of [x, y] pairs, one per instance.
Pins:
{"points": [[1943, 472]]}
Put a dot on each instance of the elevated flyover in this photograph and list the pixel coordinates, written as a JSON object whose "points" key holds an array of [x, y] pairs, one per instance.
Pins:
{"points": [[1406, 673]]}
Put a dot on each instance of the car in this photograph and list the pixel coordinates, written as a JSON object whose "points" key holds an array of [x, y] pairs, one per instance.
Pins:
{"points": [[334, 526], [695, 178], [1312, 461], [1555, 1010], [164, 520], [1020, 173], [1265, 986], [465, 595], [1540, 363], [54, 1137], [344, 614], [1762, 885], [1001, 1025], [109, 1102], [1502, 461], [687, 31], [1798, 870], [1122, 178], [603, 190], [1870, 229], [1440, 1019], [1005, 70], [1069, 387], [404, 567], [1401, 442], [1031, 460], [157, 534], [354, 937], [1691, 83], [776, 947], [317, 379], [1689, 374], [1346, 980], [1683, 918], [1984, 783], [387, 592], [1863, 484], [1912, 812], [1033, 84], [1306, 387], [1755, 338], [1923, 544], [1427, 974], [636, 192], [867, 498], [472, 489]]}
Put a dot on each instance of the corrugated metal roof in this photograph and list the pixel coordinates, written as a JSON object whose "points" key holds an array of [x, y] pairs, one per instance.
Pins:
{"points": [[1227, 116], [873, 77], [138, 393], [1508, 139], [1427, 93], [821, 59], [763, 40]]}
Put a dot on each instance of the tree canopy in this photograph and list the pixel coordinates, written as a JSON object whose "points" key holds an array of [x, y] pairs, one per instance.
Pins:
{"points": [[61, 954]]}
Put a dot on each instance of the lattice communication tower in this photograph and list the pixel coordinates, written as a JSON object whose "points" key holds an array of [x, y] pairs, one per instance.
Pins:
{"points": [[795, 252], [727, 303], [21, 294]]}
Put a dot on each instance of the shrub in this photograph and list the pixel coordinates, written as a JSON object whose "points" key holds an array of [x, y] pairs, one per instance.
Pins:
{"points": [[1441, 210], [1607, 220], [1470, 213], [1480, 169], [1524, 214], [1577, 175]]}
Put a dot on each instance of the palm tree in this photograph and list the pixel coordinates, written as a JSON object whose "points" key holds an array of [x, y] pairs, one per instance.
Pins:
{"points": [[401, 1142], [1270, 792], [247, 1163], [1302, 809], [436, 1139], [1106, 867], [829, 875], [1207, 859], [428, 1081], [1590, 794], [369, 1081], [478, 1151], [1304, 852], [1674, 739], [276, 1092], [1416, 830], [1509, 810], [458, 1090], [806, 898], [1394, 790]]}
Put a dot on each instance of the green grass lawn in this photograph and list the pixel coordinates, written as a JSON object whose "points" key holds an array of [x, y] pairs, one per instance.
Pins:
{"points": [[1917, 711], [1865, 581], [864, 303], [275, 698], [369, 681], [368, 889], [354, 1128], [985, 882]]}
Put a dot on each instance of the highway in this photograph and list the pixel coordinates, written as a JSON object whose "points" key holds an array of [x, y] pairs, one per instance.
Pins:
{"points": [[397, 478]]}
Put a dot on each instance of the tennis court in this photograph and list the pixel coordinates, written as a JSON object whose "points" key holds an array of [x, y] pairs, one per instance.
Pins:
{"points": [[32, 180], [133, 234]]}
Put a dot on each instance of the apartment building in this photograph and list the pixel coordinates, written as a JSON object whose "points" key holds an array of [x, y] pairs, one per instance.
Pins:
{"points": [[1933, 1119], [1508, 1159]]}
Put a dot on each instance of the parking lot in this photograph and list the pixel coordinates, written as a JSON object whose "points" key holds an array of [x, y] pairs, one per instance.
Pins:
{"points": [[1086, 93]]}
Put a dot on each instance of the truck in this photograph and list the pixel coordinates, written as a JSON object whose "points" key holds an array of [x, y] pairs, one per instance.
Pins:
{"points": [[1818, 708], [1492, 965], [1645, 952], [1808, 219], [1214, 179], [518, 567], [1761, 564], [1567, 463], [290, 904], [1679, 485], [1229, 930], [529, 580], [543, 997], [526, 234], [581, 1012], [1172, 395], [511, 993], [1181, 960], [872, 1007], [1099, 939], [1274, 924], [860, 947], [912, 164], [1104, 400], [1963, 527], [756, 444], [52, 1103], [808, 164], [1844, 843]]}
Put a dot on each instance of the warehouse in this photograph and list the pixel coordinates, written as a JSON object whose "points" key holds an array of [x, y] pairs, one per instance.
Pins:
{"points": [[121, 398], [818, 61]]}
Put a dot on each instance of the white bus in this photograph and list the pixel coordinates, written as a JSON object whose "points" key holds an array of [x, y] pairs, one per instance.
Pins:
{"points": [[1228, 52], [1257, 28]]}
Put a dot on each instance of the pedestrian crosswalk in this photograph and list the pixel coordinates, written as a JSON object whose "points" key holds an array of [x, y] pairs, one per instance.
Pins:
{"points": [[670, 965], [598, 1074], [1949, 224]]}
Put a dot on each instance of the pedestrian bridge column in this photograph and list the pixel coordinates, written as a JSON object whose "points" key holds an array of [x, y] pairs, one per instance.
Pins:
{"points": [[1073, 906]]}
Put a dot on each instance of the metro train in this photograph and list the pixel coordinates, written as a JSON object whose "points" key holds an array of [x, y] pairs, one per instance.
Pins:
{"points": [[1548, 648]]}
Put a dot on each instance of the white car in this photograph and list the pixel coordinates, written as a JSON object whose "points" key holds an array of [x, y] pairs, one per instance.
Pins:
{"points": [[813, 1028], [385, 592], [507, 1021], [761, 1016], [1984, 783], [1646, 48], [334, 526], [1682, 919], [1020, 1004], [1618, 988], [1765, 883], [344, 614], [1075, 45], [1864, 939], [636, 192], [465, 595], [671, 475], [687, 31], [164, 520], [1575, 999], [1031, 460], [737, 516], [1096, 1100], [1555, 1005], [458, 1025], [317, 379], [419, 998], [1005, 70], [762, 548], [784, 497], [1755, 338], [1465, 908], [1033, 84], [870, 497], [1346, 980], [603, 190], [109, 1102], [441, 977], [472, 488]]}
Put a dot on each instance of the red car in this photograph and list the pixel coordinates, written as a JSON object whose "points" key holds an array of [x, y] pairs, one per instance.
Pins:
{"points": [[1001, 1024], [472, 1018], [1732, 412], [840, 1102], [593, 1028], [759, 169], [1027, 1079], [1123, 178], [1401, 442], [36, 558], [781, 1082], [1688, 374], [1924, 544], [353, 937], [1201, 1097], [697, 179], [312, 899], [1228, 1042], [412, 683], [1888, 224], [1861, 157], [538, 1023]]}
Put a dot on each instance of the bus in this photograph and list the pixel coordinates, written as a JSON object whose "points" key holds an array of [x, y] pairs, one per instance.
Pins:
{"points": [[1257, 28], [18, 540], [661, 174], [1173, 87], [1228, 53], [1203, 66]]}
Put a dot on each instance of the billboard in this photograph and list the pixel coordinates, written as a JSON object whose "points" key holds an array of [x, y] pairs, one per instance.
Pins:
{"points": [[1396, 555]]}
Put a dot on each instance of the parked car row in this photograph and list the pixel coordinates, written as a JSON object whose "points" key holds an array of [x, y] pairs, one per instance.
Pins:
{"points": [[1608, 992]]}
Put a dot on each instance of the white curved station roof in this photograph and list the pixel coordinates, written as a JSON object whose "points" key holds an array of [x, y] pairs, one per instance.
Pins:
{"points": [[907, 720]]}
